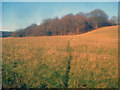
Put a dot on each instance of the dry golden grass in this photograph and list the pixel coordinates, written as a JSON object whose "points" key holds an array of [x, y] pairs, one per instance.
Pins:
{"points": [[42, 61]]}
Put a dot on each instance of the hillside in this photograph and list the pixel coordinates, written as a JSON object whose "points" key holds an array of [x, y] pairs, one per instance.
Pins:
{"points": [[88, 60]]}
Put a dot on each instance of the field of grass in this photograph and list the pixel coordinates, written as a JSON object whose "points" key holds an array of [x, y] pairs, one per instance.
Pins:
{"points": [[75, 61]]}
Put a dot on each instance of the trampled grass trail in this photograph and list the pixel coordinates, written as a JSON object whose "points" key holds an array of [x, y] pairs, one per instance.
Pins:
{"points": [[89, 60], [68, 65]]}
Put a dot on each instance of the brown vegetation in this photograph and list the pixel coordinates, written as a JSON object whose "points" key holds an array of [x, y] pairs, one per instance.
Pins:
{"points": [[68, 25]]}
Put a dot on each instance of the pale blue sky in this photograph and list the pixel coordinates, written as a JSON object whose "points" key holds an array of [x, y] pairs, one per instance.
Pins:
{"points": [[60, 0], [17, 15]]}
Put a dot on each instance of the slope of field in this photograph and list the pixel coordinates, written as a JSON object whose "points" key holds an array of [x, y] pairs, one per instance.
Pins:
{"points": [[86, 60]]}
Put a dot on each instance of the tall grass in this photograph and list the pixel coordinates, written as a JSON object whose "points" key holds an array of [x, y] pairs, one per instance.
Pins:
{"points": [[78, 61]]}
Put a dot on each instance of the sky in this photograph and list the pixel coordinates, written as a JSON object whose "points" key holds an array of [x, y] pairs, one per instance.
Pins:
{"points": [[17, 15], [60, 0]]}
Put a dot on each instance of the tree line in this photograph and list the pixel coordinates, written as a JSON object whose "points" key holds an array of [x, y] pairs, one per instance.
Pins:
{"points": [[5, 34], [68, 25]]}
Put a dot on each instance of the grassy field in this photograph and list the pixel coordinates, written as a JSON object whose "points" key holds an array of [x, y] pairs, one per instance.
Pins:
{"points": [[75, 61]]}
